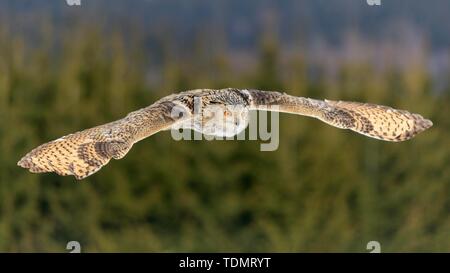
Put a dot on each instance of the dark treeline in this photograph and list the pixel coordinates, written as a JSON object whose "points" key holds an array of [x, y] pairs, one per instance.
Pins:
{"points": [[324, 189]]}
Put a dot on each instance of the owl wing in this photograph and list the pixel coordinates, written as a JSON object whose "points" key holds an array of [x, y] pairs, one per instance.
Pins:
{"points": [[377, 121], [84, 153]]}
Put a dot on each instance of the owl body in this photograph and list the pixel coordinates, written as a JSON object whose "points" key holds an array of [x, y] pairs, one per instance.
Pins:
{"points": [[221, 113]]}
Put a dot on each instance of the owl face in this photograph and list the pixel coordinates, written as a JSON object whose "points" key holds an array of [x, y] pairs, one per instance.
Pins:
{"points": [[223, 120]]}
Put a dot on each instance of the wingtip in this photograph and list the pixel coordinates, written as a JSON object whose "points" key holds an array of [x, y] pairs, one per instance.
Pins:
{"points": [[428, 123], [422, 123], [24, 163]]}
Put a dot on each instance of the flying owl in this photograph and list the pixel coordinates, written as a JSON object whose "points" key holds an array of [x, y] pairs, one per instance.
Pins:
{"points": [[223, 112]]}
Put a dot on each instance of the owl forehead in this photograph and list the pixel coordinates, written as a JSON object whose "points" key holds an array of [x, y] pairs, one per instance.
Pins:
{"points": [[229, 108]]}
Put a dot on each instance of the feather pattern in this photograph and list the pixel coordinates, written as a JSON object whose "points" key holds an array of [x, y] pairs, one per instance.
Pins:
{"points": [[83, 153]]}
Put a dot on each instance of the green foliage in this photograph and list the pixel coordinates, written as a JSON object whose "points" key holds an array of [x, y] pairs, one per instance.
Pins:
{"points": [[323, 190]]}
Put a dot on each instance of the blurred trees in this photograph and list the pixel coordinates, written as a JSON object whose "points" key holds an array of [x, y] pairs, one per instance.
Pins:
{"points": [[323, 190]]}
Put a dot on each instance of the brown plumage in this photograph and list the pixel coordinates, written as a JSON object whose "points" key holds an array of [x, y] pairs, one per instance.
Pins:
{"points": [[84, 153], [377, 121]]}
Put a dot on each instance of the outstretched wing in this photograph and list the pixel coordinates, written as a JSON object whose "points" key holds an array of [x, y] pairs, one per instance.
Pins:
{"points": [[377, 121], [84, 153]]}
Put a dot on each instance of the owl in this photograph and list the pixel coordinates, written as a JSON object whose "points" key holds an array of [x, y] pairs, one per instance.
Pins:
{"points": [[216, 112]]}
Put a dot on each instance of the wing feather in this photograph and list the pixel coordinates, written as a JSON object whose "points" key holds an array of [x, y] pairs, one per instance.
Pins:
{"points": [[377, 121], [83, 153]]}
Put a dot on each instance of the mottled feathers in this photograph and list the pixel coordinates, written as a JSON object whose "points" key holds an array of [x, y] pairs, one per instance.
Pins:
{"points": [[80, 154], [84, 153], [377, 121]]}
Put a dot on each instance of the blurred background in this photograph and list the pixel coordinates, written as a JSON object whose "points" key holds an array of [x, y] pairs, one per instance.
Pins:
{"points": [[64, 68]]}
